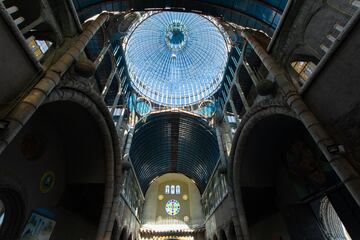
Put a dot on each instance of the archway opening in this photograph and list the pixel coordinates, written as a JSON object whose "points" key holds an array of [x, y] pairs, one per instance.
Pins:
{"points": [[59, 157], [83, 158], [303, 70], [278, 183], [172, 206]]}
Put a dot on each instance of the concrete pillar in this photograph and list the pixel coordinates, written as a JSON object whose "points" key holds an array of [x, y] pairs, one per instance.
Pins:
{"points": [[19, 116], [339, 163], [223, 154]]}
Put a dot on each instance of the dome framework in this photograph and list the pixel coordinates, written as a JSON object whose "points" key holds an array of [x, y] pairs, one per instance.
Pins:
{"points": [[176, 58]]}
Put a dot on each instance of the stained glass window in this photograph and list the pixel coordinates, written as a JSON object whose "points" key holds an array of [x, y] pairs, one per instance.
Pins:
{"points": [[172, 189], [172, 207], [177, 189], [167, 189], [176, 58]]}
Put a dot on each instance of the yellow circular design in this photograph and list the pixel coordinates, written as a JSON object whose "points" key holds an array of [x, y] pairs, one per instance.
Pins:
{"points": [[161, 197], [47, 181], [185, 197]]}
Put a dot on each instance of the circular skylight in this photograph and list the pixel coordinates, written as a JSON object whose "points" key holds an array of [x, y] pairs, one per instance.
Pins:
{"points": [[176, 58]]}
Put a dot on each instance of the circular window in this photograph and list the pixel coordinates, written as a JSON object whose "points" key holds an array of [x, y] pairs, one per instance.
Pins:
{"points": [[143, 106], [172, 207], [207, 108]]}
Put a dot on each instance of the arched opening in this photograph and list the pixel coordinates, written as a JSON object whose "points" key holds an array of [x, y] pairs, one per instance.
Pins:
{"points": [[277, 184], [215, 237], [302, 64], [222, 235], [172, 212], [84, 157], [303, 69], [62, 164], [130, 237], [40, 47]]}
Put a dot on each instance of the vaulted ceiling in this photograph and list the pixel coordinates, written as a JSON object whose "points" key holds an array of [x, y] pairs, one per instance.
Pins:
{"points": [[174, 142]]}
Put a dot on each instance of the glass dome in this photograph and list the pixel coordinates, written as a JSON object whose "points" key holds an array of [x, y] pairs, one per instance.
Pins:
{"points": [[176, 58]]}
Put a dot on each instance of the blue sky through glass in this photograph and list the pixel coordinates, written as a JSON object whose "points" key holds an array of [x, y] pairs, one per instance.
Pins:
{"points": [[176, 58]]}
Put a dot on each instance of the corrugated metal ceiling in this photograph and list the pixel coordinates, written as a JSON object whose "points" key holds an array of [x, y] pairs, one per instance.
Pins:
{"points": [[174, 142]]}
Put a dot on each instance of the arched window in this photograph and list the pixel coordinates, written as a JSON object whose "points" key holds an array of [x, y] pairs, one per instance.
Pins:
{"points": [[172, 189], [39, 47], [304, 69], [178, 189], [167, 189]]}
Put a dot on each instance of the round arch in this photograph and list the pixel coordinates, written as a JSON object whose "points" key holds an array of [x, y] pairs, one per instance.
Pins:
{"points": [[171, 210], [301, 64], [276, 173], [56, 144], [169, 142], [77, 95]]}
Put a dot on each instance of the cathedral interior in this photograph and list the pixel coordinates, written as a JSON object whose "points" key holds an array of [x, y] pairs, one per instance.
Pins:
{"points": [[179, 119]]}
